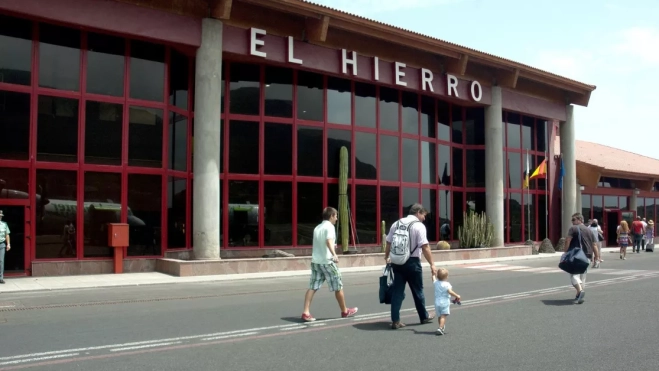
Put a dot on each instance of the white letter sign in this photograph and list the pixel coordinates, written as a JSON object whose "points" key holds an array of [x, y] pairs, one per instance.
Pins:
{"points": [[475, 97], [291, 52], [345, 61], [376, 69], [426, 78], [253, 42], [452, 83], [399, 73]]}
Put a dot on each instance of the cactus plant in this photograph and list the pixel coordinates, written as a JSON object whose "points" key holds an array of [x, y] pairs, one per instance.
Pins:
{"points": [[476, 231], [343, 198]]}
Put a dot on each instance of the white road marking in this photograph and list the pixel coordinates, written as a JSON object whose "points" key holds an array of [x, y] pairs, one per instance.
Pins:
{"points": [[145, 346], [39, 359], [483, 266], [230, 336], [540, 269], [293, 328], [507, 268], [253, 331]]}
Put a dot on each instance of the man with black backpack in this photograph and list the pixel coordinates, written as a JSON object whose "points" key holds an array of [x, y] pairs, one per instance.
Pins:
{"points": [[406, 240]]}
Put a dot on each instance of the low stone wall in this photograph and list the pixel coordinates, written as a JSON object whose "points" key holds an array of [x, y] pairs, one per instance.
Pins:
{"points": [[81, 267], [186, 268]]}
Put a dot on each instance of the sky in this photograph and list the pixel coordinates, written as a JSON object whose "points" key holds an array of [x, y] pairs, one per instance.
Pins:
{"points": [[611, 44]]}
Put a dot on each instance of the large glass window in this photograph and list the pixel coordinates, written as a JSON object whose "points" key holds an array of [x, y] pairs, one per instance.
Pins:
{"points": [[144, 214], [105, 64], [429, 201], [457, 124], [177, 199], [278, 149], [515, 170], [445, 216], [513, 130], [428, 163], [178, 142], [339, 98], [366, 214], [458, 168], [179, 73], [145, 130], [147, 71], [245, 89], [542, 217], [598, 208], [244, 147], [335, 140], [410, 160], [278, 213], [475, 126], [309, 211], [444, 161], [13, 183], [278, 92], [459, 207], [389, 205], [541, 135], [309, 151], [365, 97], [14, 124], [59, 57], [515, 211], [443, 121], [57, 129], [389, 158], [310, 96], [103, 127], [529, 218], [388, 109], [365, 161], [15, 50], [475, 168], [585, 206], [243, 213], [410, 113], [103, 206], [56, 210], [528, 126], [410, 197]]}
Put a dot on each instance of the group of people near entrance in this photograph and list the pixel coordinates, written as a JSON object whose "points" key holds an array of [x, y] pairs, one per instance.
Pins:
{"points": [[640, 236], [407, 241]]}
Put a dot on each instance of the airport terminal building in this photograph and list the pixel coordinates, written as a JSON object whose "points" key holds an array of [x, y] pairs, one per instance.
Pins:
{"points": [[216, 125]]}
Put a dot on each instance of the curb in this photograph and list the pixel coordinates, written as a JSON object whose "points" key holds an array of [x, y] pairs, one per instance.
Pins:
{"points": [[283, 274]]}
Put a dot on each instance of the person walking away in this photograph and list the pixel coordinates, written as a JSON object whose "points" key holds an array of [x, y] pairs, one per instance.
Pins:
{"points": [[649, 236], [406, 240], [443, 293], [5, 245], [645, 229], [323, 266], [580, 236], [596, 230], [623, 239], [637, 231]]}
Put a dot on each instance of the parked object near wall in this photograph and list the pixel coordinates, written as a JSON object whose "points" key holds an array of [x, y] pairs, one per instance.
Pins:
{"points": [[476, 232], [443, 245], [546, 247]]}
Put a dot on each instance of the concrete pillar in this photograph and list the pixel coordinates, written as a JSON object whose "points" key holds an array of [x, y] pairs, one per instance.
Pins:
{"points": [[207, 144], [493, 165], [579, 204], [570, 165], [633, 202]]}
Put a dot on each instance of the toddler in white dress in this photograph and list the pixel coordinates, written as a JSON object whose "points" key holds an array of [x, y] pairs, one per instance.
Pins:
{"points": [[443, 293]]}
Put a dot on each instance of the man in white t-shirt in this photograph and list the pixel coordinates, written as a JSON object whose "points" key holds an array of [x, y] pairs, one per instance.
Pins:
{"points": [[323, 265]]}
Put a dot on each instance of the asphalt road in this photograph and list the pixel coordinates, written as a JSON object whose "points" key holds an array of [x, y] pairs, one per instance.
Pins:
{"points": [[515, 316]]}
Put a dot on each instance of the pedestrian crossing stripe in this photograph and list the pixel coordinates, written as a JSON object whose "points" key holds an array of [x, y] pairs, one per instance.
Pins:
{"points": [[540, 270]]}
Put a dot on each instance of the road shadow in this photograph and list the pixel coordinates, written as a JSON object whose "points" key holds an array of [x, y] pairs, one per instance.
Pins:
{"points": [[558, 303], [299, 320], [373, 326], [417, 332]]}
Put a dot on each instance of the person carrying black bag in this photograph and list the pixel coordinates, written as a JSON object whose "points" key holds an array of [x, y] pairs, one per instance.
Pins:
{"points": [[579, 236]]}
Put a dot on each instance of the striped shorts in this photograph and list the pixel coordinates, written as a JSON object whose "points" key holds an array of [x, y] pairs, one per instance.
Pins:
{"points": [[325, 272]]}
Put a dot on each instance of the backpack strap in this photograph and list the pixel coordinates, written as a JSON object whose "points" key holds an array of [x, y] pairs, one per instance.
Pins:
{"points": [[409, 230]]}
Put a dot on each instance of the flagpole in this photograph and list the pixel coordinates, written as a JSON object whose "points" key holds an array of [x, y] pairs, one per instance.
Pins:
{"points": [[546, 198]]}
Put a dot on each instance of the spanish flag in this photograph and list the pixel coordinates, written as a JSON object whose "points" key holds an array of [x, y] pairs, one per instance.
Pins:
{"points": [[541, 171]]}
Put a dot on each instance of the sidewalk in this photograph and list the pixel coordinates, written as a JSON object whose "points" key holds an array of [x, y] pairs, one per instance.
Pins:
{"points": [[33, 284]]}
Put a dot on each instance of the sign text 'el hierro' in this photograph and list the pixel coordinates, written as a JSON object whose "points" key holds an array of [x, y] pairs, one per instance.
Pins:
{"points": [[256, 42]]}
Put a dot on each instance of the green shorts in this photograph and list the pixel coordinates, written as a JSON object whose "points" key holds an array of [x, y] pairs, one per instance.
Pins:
{"points": [[325, 272]]}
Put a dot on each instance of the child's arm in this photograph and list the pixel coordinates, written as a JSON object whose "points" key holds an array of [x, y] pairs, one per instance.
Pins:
{"points": [[453, 293]]}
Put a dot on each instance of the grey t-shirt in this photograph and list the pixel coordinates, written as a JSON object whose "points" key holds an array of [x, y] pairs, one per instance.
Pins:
{"points": [[587, 241]]}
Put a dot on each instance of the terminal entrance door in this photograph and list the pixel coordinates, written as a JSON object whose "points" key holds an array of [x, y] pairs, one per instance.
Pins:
{"points": [[612, 220], [17, 260]]}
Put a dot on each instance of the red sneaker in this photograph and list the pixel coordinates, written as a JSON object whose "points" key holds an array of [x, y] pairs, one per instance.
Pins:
{"points": [[307, 317], [349, 313]]}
